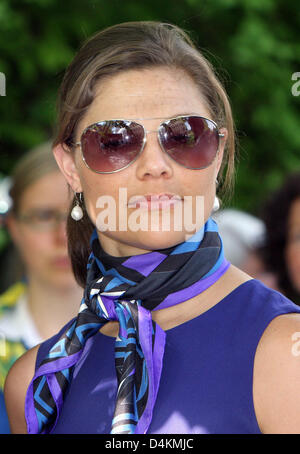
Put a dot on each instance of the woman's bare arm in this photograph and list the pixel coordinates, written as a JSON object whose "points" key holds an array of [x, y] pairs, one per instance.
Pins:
{"points": [[15, 388], [277, 377]]}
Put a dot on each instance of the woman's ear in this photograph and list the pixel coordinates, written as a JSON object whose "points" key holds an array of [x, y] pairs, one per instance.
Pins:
{"points": [[66, 162], [12, 226]]}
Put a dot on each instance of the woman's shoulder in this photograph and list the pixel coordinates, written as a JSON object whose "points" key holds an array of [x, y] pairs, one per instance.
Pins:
{"points": [[255, 308], [19, 378], [250, 300], [277, 360], [262, 298], [271, 322], [15, 387], [277, 375], [282, 317]]}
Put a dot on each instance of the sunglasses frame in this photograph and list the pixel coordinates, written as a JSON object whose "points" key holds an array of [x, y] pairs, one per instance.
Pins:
{"points": [[220, 135]]}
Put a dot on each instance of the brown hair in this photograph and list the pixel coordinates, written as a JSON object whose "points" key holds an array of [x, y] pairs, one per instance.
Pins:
{"points": [[32, 166], [127, 46]]}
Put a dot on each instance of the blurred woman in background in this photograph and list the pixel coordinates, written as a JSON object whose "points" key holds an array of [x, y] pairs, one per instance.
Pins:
{"points": [[281, 214], [33, 308]]}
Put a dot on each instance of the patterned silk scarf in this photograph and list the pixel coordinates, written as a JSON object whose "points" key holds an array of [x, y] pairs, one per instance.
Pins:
{"points": [[126, 289]]}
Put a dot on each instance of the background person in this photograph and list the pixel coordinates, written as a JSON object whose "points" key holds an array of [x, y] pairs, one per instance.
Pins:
{"points": [[33, 308], [281, 215], [243, 236]]}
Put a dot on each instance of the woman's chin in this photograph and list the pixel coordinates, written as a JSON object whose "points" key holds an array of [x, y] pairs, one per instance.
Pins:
{"points": [[140, 242]]}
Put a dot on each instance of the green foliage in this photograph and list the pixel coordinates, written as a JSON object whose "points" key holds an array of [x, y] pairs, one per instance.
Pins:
{"points": [[254, 45], [3, 238]]}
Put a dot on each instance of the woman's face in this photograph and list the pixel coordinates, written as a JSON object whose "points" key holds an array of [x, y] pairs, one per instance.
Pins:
{"points": [[40, 239], [150, 96], [292, 252]]}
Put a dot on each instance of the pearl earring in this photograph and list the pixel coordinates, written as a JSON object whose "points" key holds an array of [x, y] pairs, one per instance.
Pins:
{"points": [[216, 206], [77, 212]]}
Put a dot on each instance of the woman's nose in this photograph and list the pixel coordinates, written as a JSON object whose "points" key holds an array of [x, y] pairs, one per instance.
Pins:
{"points": [[153, 161], [60, 232]]}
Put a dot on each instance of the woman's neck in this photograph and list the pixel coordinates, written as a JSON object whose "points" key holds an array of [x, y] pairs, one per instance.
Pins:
{"points": [[183, 312], [52, 307]]}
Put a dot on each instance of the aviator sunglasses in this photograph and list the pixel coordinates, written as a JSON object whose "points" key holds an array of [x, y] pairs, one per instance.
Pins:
{"points": [[112, 145]]}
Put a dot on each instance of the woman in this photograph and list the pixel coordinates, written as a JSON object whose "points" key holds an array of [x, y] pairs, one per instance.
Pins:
{"points": [[46, 295], [167, 331], [281, 214]]}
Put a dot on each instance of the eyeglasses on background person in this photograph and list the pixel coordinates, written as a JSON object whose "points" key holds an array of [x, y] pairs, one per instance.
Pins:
{"points": [[43, 220]]}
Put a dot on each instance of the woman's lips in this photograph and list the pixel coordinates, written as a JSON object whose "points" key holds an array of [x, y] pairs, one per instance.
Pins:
{"points": [[154, 201]]}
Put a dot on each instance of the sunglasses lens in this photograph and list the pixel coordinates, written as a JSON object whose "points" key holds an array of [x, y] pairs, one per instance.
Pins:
{"points": [[191, 141], [111, 145]]}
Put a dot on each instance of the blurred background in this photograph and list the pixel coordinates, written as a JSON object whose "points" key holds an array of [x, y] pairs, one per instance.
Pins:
{"points": [[253, 44]]}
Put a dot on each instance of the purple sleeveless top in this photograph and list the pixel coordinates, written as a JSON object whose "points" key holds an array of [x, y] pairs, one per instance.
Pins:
{"points": [[206, 382]]}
